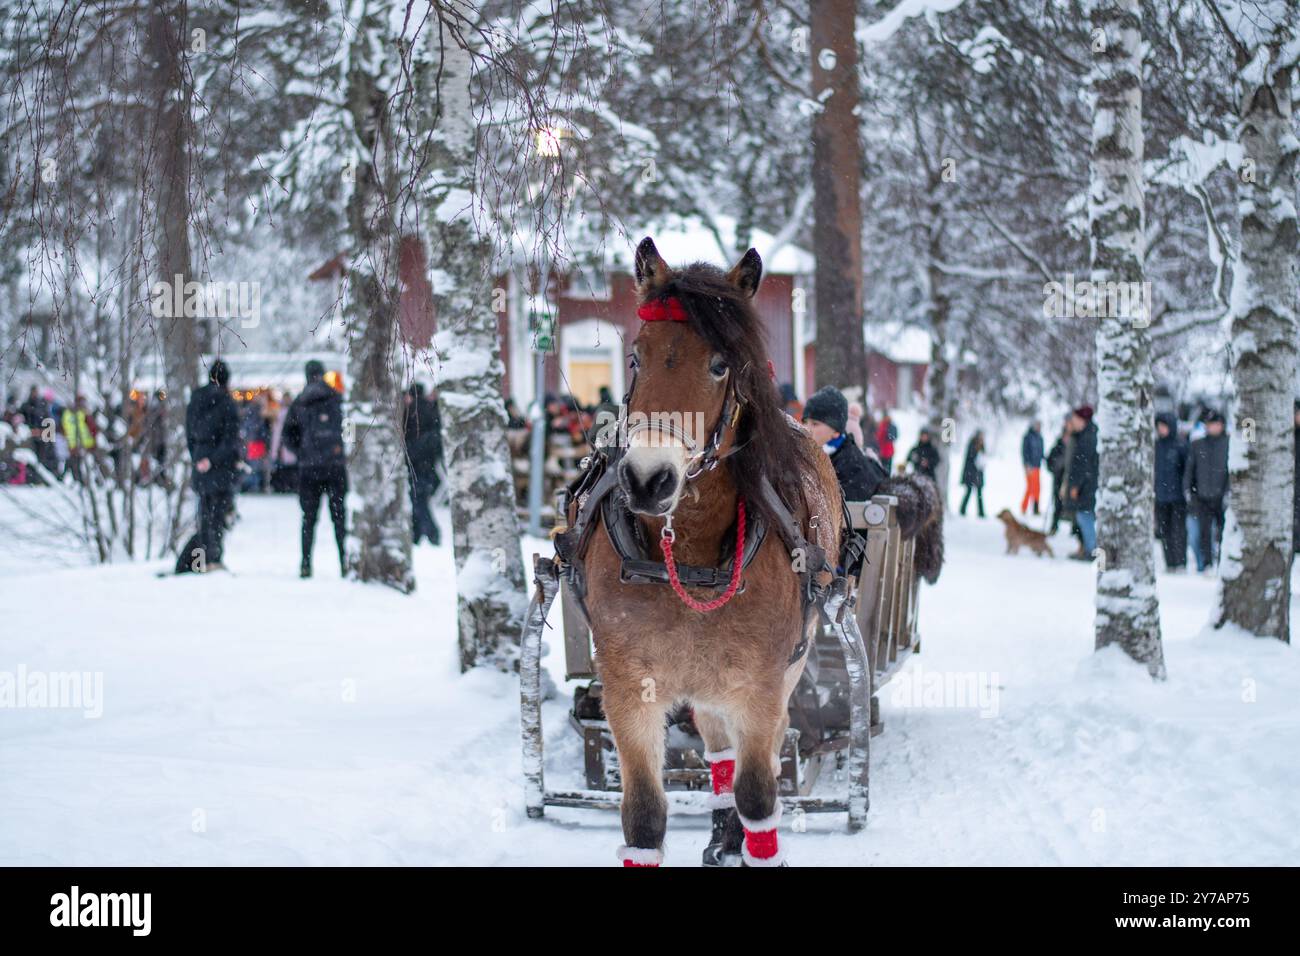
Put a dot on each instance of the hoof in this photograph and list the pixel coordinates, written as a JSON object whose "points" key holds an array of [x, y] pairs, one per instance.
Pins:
{"points": [[715, 855]]}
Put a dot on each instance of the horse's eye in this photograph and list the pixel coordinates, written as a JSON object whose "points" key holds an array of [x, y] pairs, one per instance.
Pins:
{"points": [[718, 369]]}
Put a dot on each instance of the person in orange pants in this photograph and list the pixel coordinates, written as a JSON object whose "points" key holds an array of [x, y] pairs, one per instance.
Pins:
{"points": [[1031, 456]]}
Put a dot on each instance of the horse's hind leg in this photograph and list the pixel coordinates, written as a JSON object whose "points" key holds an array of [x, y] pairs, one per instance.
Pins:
{"points": [[725, 841], [756, 788], [638, 726]]}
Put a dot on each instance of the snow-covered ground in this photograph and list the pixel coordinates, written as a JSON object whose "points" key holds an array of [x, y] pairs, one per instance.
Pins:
{"points": [[256, 718]]}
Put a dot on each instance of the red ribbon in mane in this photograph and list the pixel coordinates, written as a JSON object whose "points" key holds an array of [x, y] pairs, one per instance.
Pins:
{"points": [[662, 310]]}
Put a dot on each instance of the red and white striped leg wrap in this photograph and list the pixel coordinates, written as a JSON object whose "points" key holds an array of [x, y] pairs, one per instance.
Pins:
{"points": [[640, 857], [761, 847], [722, 767]]}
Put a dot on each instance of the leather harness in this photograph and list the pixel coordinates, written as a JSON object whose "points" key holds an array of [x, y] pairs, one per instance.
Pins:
{"points": [[596, 492]]}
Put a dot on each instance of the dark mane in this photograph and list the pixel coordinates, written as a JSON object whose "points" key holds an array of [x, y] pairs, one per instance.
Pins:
{"points": [[725, 317]]}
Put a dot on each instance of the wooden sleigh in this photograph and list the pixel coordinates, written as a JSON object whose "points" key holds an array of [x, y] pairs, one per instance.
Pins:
{"points": [[866, 636]]}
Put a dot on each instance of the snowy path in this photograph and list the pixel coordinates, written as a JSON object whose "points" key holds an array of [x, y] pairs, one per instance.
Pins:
{"points": [[258, 718]]}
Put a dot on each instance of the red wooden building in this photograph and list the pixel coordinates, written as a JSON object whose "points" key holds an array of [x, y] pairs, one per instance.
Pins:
{"points": [[596, 320]]}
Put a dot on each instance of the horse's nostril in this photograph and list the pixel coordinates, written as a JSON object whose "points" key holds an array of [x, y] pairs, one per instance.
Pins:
{"points": [[650, 489], [660, 484]]}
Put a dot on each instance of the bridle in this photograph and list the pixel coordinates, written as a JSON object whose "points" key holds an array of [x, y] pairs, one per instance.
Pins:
{"points": [[700, 458]]}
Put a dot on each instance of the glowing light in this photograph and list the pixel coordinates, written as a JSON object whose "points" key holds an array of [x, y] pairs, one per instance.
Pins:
{"points": [[548, 140]]}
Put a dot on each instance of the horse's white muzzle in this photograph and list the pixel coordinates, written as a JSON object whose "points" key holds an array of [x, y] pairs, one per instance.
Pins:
{"points": [[653, 477]]}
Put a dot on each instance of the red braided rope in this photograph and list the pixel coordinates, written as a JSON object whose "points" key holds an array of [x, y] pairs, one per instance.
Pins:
{"points": [[666, 542]]}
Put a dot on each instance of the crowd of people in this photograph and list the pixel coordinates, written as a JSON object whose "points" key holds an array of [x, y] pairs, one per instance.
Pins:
{"points": [[1190, 474], [1190, 471], [67, 438], [306, 435], [242, 442], [258, 442]]}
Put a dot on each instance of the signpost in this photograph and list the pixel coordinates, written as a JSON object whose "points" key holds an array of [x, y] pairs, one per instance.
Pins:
{"points": [[542, 323]]}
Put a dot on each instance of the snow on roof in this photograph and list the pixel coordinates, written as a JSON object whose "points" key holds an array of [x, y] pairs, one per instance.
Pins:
{"points": [[904, 344], [681, 240]]}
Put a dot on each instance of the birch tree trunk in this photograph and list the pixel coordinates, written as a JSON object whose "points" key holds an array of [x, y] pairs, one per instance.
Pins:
{"points": [[1128, 613], [1255, 564], [490, 584], [379, 539], [837, 203]]}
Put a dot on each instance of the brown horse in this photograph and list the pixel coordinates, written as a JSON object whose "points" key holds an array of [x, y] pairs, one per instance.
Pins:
{"points": [[695, 497]]}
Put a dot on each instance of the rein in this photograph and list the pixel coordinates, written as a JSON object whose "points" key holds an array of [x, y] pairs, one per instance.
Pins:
{"points": [[666, 539]]}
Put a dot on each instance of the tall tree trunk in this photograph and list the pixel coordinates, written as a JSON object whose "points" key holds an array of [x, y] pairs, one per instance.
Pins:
{"points": [[1255, 565], [941, 384], [379, 548], [490, 588], [171, 239], [837, 203], [1128, 613]]}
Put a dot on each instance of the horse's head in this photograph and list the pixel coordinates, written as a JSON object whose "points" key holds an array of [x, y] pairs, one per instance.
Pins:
{"points": [[697, 363]]}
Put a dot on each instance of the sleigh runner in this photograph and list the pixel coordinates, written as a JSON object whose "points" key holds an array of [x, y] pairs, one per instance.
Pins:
{"points": [[833, 711]]}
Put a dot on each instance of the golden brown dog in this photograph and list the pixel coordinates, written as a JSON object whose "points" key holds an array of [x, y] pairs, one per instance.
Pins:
{"points": [[1019, 536]]}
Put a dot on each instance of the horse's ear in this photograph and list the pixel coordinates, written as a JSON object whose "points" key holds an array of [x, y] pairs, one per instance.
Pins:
{"points": [[651, 269], [746, 273]]}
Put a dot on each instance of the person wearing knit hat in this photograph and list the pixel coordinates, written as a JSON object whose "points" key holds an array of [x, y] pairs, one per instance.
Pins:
{"points": [[826, 416], [212, 437], [313, 431], [829, 407]]}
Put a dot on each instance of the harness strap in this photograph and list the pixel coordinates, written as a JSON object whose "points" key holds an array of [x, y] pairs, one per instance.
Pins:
{"points": [[629, 543]]}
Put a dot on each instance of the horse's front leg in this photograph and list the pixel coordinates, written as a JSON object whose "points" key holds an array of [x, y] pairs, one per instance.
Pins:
{"points": [[637, 720], [757, 804]]}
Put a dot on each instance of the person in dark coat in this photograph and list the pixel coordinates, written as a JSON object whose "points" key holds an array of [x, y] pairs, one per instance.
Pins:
{"points": [[36, 412], [212, 436], [972, 473], [1057, 462], [826, 415], [422, 429], [1031, 456], [1084, 472], [1205, 481], [924, 456], [1171, 502], [313, 431]]}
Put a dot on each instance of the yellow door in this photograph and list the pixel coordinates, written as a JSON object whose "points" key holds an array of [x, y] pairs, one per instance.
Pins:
{"points": [[587, 377]]}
